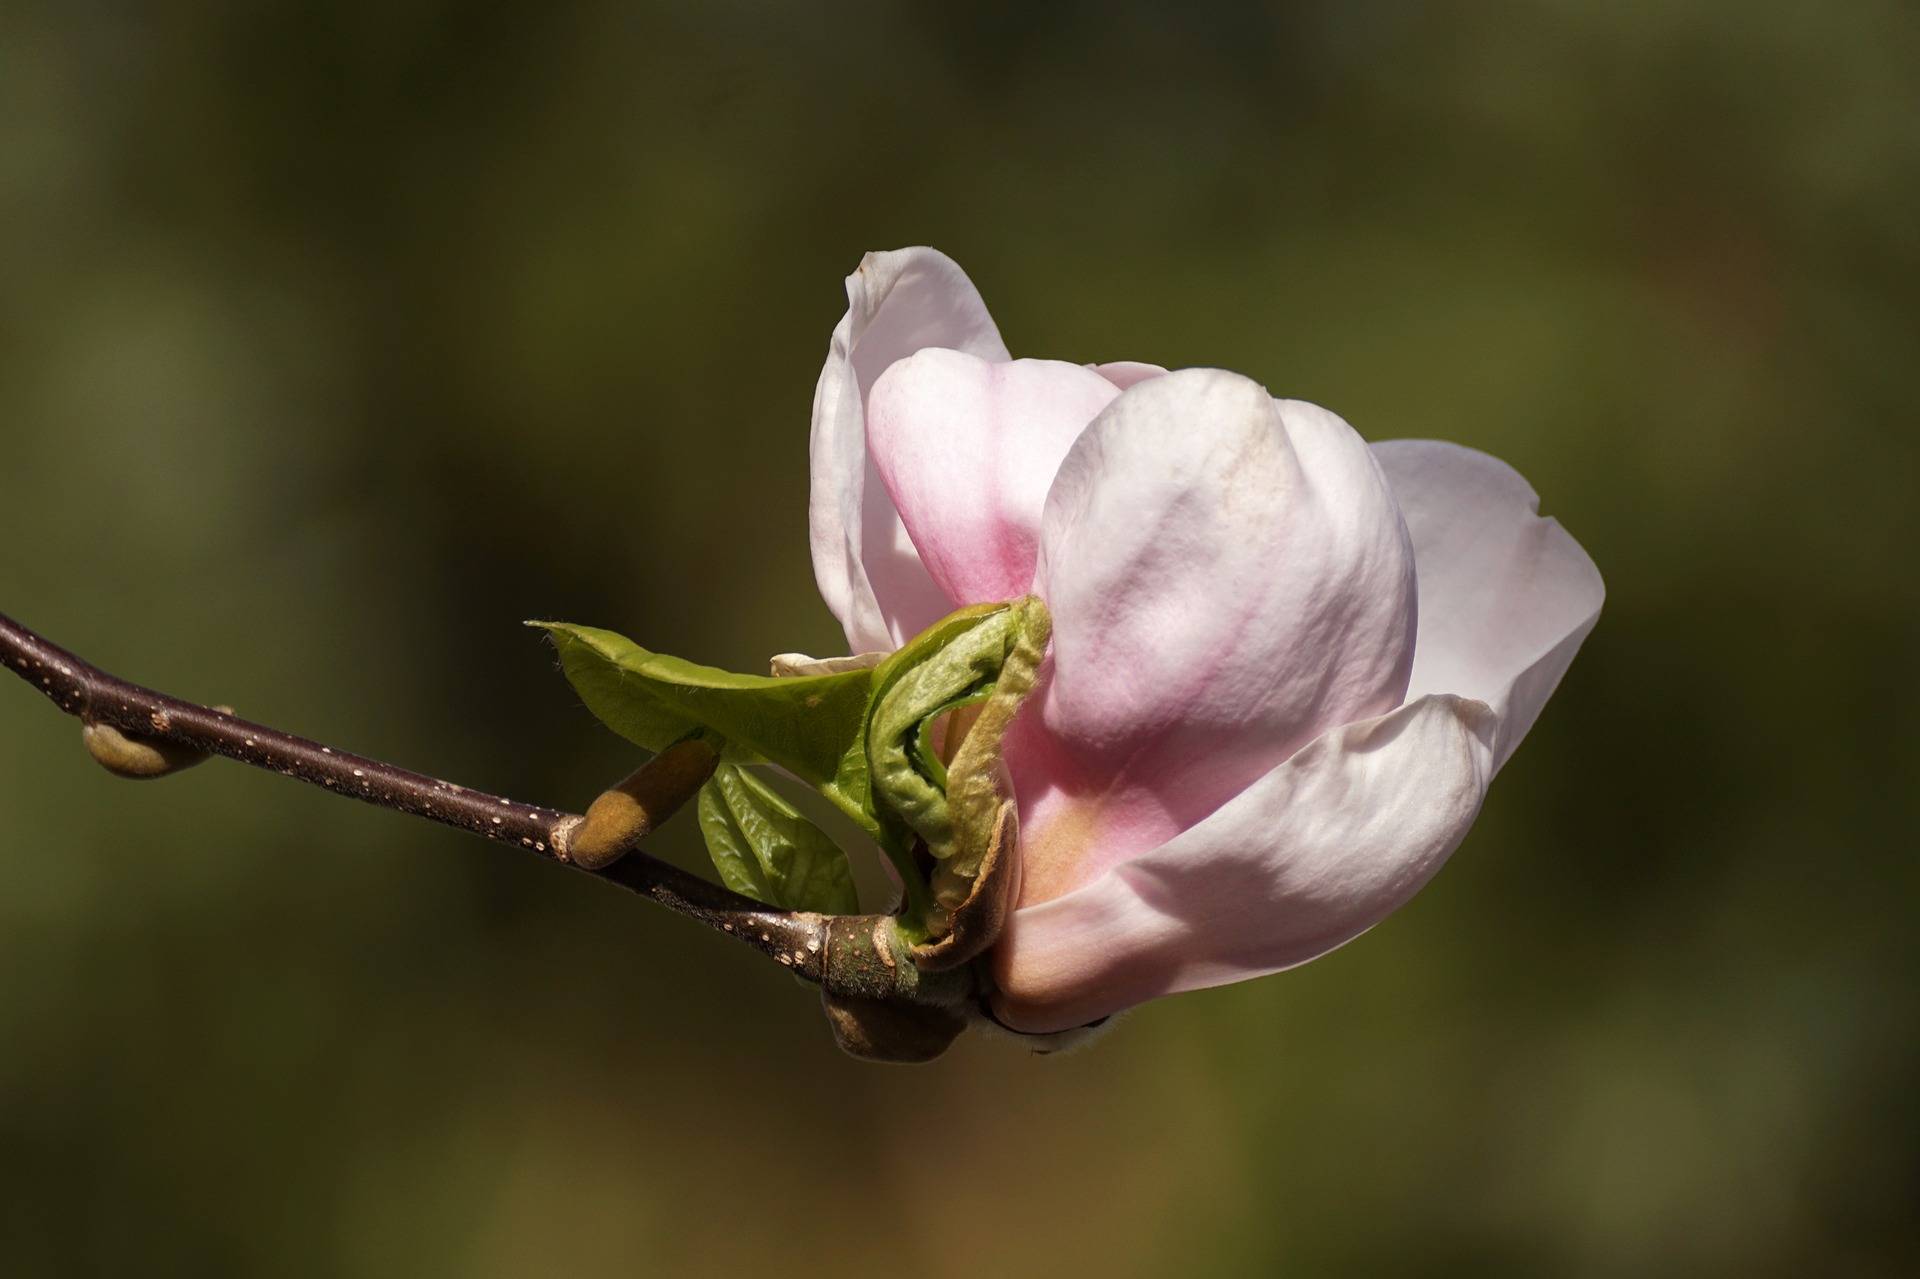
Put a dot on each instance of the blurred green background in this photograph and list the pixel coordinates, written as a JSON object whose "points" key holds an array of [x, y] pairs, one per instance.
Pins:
{"points": [[337, 338]]}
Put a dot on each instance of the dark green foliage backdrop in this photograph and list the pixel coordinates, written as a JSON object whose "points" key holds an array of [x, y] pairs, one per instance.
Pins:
{"points": [[335, 339]]}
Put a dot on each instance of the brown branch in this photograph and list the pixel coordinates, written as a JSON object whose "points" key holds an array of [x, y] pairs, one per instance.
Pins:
{"points": [[798, 940]]}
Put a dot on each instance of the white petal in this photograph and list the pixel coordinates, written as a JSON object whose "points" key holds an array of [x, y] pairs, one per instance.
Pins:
{"points": [[1229, 578], [1506, 597], [868, 571], [1307, 858]]}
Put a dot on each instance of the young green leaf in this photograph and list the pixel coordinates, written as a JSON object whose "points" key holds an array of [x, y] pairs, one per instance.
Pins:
{"points": [[813, 726], [975, 788], [961, 670], [765, 849]]}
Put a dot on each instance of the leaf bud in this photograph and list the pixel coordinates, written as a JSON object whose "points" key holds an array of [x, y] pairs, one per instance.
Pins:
{"points": [[137, 758], [624, 815]]}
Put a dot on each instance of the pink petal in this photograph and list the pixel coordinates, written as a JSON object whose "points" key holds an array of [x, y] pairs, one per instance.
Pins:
{"points": [[1506, 597], [1126, 373], [967, 450], [868, 571], [1310, 856], [1229, 578]]}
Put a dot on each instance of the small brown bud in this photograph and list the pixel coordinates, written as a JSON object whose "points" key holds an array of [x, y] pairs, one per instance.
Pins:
{"points": [[891, 1030], [626, 814]]}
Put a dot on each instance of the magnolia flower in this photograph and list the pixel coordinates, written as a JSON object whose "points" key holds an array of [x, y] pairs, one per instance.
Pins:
{"points": [[1285, 665]]}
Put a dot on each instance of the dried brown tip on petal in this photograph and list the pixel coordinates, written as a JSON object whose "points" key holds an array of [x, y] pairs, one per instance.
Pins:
{"points": [[891, 1030], [988, 899], [136, 758], [625, 815]]}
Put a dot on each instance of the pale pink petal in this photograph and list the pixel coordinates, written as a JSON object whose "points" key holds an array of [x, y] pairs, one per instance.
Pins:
{"points": [[1310, 856], [868, 571], [794, 665], [967, 450], [1506, 597], [1229, 578], [1126, 373]]}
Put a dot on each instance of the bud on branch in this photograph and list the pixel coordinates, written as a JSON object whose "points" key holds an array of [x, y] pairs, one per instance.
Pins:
{"points": [[136, 732]]}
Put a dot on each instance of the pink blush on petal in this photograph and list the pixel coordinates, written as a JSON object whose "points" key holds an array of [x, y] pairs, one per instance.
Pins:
{"points": [[1072, 827], [967, 450], [1125, 373]]}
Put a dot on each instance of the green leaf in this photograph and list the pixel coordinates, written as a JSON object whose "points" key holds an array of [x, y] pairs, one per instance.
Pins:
{"points": [[813, 726], [973, 783], [926, 757], [839, 732], [764, 848], [961, 669], [928, 643]]}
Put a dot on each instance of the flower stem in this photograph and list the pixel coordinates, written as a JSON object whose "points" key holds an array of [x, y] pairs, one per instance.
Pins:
{"points": [[798, 940]]}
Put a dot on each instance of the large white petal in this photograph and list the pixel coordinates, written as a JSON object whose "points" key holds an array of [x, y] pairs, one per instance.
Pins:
{"points": [[1506, 597], [1312, 855], [868, 571], [968, 449], [1229, 578]]}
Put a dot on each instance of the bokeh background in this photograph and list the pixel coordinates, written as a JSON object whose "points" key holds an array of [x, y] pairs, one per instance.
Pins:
{"points": [[335, 339]]}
